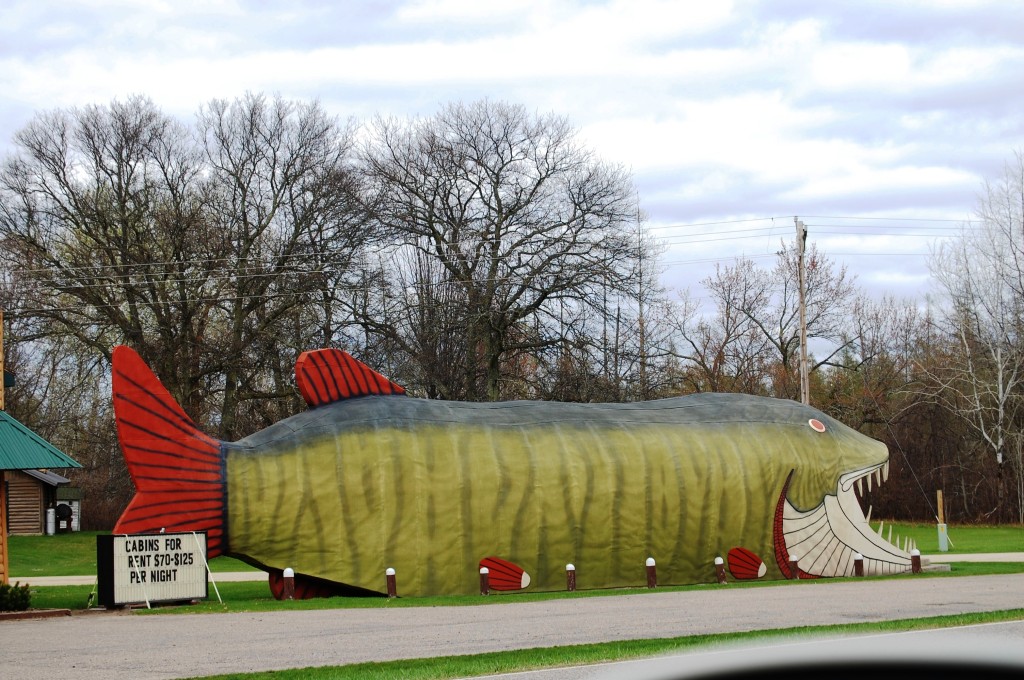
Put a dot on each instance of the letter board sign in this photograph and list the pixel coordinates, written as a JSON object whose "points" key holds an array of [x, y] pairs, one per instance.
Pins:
{"points": [[136, 568]]}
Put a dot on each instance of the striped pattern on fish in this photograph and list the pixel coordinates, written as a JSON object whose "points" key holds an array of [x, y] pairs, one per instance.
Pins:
{"points": [[369, 479]]}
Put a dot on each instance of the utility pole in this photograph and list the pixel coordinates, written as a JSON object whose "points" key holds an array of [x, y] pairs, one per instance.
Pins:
{"points": [[801, 242], [640, 305]]}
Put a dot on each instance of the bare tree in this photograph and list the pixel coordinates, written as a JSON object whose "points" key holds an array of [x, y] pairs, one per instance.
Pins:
{"points": [[981, 275], [216, 255], [877, 364], [423, 311], [726, 351], [519, 216], [285, 214], [102, 213], [61, 391], [757, 310]]}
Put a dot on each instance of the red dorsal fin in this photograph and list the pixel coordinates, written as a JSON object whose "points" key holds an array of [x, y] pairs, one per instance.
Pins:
{"points": [[328, 375]]}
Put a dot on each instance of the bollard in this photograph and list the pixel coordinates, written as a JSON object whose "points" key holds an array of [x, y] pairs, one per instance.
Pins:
{"points": [[652, 574], [389, 575], [915, 561], [485, 580], [570, 577], [858, 564], [794, 569], [720, 569], [289, 584]]}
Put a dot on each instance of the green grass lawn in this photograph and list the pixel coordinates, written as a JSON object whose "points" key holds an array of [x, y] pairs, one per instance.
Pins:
{"points": [[73, 554], [962, 539]]}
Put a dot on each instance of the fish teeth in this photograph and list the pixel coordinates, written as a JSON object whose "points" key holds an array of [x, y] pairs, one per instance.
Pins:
{"points": [[868, 518], [871, 480], [880, 524]]}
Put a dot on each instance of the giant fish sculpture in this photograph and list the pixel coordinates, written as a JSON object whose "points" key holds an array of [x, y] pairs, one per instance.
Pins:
{"points": [[369, 479]]}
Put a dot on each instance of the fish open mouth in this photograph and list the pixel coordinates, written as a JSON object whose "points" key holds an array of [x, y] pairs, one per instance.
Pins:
{"points": [[825, 540]]}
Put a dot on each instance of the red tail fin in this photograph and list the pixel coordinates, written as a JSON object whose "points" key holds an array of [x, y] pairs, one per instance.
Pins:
{"points": [[178, 471]]}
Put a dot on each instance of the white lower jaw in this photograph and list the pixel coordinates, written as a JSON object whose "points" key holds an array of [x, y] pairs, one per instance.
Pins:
{"points": [[826, 539]]}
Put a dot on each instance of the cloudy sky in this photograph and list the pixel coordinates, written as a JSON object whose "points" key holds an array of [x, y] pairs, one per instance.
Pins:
{"points": [[874, 122]]}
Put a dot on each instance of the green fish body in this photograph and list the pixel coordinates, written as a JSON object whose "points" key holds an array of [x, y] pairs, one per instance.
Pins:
{"points": [[369, 479]]}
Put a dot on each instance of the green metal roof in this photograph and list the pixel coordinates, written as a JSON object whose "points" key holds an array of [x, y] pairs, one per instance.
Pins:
{"points": [[23, 449]]}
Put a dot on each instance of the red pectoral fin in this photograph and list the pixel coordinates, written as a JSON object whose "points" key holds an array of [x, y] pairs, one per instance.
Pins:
{"points": [[744, 564], [504, 575]]}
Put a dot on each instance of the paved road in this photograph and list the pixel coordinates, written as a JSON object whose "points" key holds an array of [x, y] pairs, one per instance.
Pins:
{"points": [[108, 645]]}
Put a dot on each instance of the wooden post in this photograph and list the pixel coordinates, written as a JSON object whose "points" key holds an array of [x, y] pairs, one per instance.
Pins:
{"points": [[389, 577], [794, 566], [652, 573], [289, 584], [941, 527], [858, 565], [4, 575], [720, 570], [485, 580], [570, 577], [915, 561]]}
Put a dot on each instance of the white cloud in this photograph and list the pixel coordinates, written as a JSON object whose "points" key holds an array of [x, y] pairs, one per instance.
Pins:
{"points": [[464, 11], [721, 109], [863, 179]]}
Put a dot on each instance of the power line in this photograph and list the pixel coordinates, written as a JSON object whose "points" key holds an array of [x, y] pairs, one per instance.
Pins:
{"points": [[771, 219], [170, 272], [894, 219], [171, 266]]}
